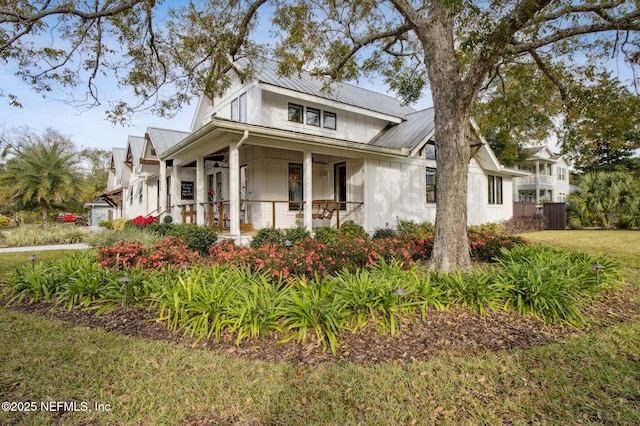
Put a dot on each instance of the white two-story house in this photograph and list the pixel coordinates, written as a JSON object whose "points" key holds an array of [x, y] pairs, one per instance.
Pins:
{"points": [[282, 152], [547, 179]]}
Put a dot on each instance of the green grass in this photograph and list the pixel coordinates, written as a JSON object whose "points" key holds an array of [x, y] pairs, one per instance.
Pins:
{"points": [[590, 379], [10, 261], [622, 246]]}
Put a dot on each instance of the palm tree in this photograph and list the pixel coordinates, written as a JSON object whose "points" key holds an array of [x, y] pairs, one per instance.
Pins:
{"points": [[41, 172], [604, 197]]}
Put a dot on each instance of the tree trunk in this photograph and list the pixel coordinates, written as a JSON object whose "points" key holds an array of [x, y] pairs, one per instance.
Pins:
{"points": [[452, 105], [451, 245]]}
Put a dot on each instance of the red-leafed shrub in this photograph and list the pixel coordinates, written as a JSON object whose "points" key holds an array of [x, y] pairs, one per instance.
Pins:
{"points": [[124, 253], [311, 256], [486, 247], [169, 253]]}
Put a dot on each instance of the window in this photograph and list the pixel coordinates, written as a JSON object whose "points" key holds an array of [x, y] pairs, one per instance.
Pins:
{"points": [[239, 108], [235, 112], [313, 117], [430, 151], [495, 190], [562, 173], [243, 107], [295, 113], [295, 186], [140, 191], [431, 185], [131, 189], [329, 120]]}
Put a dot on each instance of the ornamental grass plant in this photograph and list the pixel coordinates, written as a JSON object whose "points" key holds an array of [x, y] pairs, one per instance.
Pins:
{"points": [[35, 235]]}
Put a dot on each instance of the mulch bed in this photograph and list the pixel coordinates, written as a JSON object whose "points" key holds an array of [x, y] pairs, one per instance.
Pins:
{"points": [[456, 330]]}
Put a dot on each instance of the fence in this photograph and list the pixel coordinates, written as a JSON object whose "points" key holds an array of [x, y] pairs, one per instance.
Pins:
{"points": [[555, 214]]}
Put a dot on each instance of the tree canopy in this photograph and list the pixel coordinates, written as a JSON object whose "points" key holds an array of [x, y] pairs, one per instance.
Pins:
{"points": [[453, 47]]}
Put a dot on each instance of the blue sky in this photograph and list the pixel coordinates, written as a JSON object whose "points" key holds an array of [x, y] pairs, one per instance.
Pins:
{"points": [[88, 127]]}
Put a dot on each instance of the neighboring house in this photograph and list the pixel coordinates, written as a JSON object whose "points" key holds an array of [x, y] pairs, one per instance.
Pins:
{"points": [[98, 211], [547, 179], [114, 193], [284, 152]]}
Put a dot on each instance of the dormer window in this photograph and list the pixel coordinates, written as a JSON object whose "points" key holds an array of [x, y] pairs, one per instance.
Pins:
{"points": [[295, 113], [313, 117], [329, 120]]}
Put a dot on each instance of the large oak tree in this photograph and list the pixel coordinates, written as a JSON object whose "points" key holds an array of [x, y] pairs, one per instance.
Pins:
{"points": [[454, 46]]}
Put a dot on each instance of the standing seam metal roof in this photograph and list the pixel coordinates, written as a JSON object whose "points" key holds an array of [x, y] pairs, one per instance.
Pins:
{"points": [[408, 134], [118, 155], [267, 72], [164, 139]]}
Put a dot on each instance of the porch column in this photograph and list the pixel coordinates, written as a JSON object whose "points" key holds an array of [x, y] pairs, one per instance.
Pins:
{"points": [[537, 181], [307, 190], [234, 191], [176, 179], [200, 194], [162, 195]]}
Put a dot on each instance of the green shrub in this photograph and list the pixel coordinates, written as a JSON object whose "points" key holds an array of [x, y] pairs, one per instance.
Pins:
{"points": [[296, 234], [197, 300], [350, 229], [413, 229], [575, 223], [167, 219], [475, 290], [381, 233], [485, 228], [197, 238], [549, 283], [4, 221], [313, 306], [111, 237], [32, 283], [326, 234], [267, 235], [106, 224], [119, 224]]}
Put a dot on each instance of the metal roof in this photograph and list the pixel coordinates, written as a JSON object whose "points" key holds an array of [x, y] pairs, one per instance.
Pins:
{"points": [[136, 144], [119, 155], [408, 134], [164, 139], [267, 72]]}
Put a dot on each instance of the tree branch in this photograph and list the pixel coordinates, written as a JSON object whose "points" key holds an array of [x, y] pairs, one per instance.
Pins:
{"points": [[625, 25], [498, 41], [364, 42], [8, 16]]}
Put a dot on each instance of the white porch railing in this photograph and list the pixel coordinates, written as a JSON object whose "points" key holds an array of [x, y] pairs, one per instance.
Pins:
{"points": [[535, 179]]}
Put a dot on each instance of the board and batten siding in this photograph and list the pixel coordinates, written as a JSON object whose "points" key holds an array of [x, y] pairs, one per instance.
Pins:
{"points": [[350, 126], [397, 190]]}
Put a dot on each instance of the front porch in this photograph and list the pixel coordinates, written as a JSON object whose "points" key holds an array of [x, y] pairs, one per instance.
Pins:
{"points": [[325, 212], [241, 182]]}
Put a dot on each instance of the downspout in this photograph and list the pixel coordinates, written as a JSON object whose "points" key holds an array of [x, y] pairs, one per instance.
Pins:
{"points": [[245, 136]]}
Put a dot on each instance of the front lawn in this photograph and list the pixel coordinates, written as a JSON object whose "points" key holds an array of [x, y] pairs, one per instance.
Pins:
{"points": [[586, 376]]}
